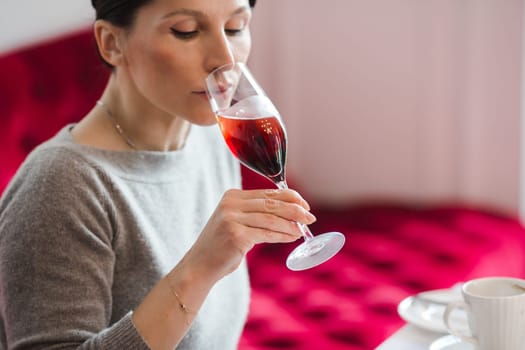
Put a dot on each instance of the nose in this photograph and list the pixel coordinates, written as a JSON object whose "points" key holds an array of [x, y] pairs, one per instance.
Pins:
{"points": [[220, 52]]}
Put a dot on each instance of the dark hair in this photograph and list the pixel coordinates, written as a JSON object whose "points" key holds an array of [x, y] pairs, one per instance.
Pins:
{"points": [[122, 13], [118, 12]]}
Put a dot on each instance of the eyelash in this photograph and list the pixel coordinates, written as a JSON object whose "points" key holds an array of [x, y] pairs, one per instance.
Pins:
{"points": [[183, 35], [189, 35], [234, 32]]}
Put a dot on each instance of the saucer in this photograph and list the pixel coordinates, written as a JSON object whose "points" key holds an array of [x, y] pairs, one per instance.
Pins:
{"points": [[429, 315], [450, 342]]}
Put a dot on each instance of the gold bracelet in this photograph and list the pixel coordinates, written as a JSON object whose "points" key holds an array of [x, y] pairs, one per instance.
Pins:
{"points": [[182, 306]]}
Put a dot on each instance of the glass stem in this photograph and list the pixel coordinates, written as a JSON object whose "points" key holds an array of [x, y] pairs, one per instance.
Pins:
{"points": [[307, 234]]}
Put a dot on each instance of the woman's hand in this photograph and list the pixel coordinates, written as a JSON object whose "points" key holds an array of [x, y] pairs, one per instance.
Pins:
{"points": [[241, 220], [244, 218]]}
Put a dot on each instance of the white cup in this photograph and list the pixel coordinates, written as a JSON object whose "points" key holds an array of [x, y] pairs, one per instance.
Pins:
{"points": [[495, 309]]}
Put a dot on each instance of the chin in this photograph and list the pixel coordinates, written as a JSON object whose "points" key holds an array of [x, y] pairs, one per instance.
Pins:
{"points": [[203, 119], [208, 122]]}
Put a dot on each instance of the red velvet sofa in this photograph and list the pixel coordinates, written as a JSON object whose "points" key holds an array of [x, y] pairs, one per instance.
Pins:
{"points": [[350, 302]]}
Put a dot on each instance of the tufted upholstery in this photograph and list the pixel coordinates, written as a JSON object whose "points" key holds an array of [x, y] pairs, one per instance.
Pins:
{"points": [[392, 251], [41, 89], [350, 302]]}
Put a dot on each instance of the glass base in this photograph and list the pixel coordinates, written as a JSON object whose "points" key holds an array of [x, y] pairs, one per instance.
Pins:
{"points": [[315, 251]]}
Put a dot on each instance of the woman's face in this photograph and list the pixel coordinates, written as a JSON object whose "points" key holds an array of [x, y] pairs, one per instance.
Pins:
{"points": [[174, 44]]}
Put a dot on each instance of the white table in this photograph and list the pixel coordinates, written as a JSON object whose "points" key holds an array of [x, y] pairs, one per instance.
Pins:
{"points": [[409, 338]]}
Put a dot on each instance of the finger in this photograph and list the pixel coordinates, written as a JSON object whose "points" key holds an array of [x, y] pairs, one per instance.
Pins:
{"points": [[271, 223], [285, 210], [260, 235], [286, 195]]}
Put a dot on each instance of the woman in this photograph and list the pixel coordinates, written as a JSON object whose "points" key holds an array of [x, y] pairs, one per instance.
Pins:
{"points": [[126, 230]]}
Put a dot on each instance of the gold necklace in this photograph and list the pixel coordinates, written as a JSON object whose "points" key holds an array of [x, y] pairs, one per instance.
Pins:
{"points": [[116, 125]]}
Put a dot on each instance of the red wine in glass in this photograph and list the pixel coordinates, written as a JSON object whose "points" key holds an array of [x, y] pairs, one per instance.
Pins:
{"points": [[255, 134], [259, 143]]}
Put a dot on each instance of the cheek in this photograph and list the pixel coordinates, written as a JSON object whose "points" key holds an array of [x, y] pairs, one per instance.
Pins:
{"points": [[157, 68], [153, 61]]}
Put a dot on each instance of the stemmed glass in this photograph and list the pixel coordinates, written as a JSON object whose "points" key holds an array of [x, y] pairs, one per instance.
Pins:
{"points": [[254, 132]]}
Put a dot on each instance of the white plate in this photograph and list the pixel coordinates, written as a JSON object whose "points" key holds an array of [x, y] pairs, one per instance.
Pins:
{"points": [[429, 315], [449, 342]]}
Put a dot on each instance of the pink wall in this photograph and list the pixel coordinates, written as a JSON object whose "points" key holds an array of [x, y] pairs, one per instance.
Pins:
{"points": [[397, 100], [26, 22]]}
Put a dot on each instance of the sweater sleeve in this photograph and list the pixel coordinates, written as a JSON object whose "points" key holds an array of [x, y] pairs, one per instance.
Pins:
{"points": [[56, 259]]}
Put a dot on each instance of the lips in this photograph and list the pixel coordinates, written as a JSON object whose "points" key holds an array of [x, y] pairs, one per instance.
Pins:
{"points": [[220, 90], [201, 94], [223, 88]]}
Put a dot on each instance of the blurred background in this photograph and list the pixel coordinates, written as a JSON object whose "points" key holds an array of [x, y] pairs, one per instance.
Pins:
{"points": [[397, 99], [384, 100], [405, 133]]}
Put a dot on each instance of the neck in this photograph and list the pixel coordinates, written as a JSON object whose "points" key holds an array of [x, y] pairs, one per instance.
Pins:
{"points": [[142, 125]]}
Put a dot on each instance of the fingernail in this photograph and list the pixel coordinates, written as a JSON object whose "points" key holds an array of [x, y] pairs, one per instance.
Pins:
{"points": [[307, 205], [311, 217]]}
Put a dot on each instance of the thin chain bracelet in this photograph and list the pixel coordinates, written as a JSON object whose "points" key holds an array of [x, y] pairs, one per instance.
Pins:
{"points": [[182, 306]]}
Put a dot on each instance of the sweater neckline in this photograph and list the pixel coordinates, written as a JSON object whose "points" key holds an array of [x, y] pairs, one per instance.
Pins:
{"points": [[143, 166]]}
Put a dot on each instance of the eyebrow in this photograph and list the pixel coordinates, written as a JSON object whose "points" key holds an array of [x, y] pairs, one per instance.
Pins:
{"points": [[196, 13]]}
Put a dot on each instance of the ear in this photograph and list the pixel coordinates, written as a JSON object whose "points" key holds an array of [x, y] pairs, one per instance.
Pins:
{"points": [[109, 44]]}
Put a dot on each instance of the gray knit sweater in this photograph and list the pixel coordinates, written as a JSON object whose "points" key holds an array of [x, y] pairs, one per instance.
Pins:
{"points": [[85, 233]]}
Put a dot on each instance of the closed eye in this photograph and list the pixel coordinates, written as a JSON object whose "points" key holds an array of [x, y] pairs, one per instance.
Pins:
{"points": [[184, 35], [234, 32]]}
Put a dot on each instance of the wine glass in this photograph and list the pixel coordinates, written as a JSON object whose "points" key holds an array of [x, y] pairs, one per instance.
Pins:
{"points": [[255, 134]]}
